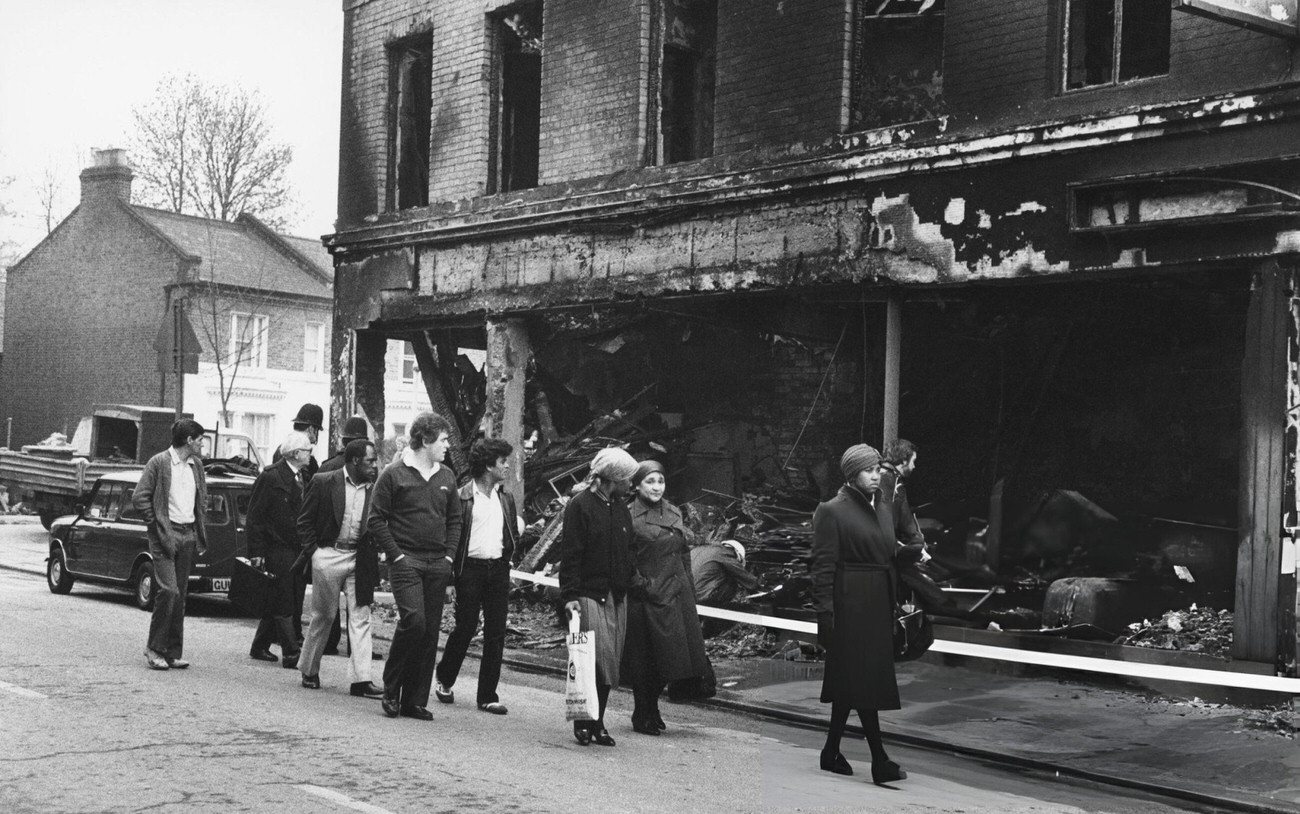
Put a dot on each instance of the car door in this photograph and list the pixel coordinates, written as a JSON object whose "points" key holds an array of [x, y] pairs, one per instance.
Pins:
{"points": [[125, 536], [85, 552], [219, 530]]}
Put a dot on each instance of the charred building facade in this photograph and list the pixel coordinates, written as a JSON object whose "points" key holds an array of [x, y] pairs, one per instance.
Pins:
{"points": [[1052, 243]]}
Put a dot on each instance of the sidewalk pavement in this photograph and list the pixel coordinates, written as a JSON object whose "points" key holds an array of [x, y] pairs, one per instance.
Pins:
{"points": [[1245, 757]]}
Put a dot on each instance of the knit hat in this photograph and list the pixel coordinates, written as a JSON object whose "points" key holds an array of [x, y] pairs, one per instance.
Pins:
{"points": [[613, 463], [736, 547], [857, 458], [646, 468]]}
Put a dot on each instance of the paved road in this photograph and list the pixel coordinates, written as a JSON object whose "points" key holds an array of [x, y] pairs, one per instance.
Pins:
{"points": [[87, 727]]}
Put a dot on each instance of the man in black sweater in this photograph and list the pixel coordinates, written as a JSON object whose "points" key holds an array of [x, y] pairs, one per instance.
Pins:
{"points": [[415, 520]]}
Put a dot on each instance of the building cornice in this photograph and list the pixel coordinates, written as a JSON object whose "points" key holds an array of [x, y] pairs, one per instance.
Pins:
{"points": [[648, 195]]}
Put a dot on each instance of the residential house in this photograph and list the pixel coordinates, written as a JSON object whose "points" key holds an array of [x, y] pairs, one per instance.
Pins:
{"points": [[1053, 243]]}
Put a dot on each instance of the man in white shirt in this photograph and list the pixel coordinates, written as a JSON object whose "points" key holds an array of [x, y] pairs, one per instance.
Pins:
{"points": [[489, 532], [172, 496]]}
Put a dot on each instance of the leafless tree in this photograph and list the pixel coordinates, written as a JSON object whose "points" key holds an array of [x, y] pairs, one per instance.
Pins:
{"points": [[50, 195], [208, 150], [8, 247]]}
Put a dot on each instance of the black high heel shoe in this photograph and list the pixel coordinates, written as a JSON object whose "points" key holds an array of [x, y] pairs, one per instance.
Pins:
{"points": [[582, 734], [602, 737], [644, 726], [886, 772], [836, 763]]}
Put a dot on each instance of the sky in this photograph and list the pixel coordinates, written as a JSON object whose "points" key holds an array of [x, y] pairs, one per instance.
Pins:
{"points": [[71, 71]]}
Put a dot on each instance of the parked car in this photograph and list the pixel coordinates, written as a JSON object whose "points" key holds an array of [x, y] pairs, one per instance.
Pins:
{"points": [[106, 541]]}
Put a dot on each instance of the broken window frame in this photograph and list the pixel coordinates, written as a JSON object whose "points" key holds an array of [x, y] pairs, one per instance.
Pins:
{"points": [[410, 118], [871, 19], [684, 131], [1132, 53], [516, 152]]}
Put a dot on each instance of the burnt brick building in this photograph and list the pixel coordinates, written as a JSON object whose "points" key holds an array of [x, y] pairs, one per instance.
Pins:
{"points": [[1054, 243]]}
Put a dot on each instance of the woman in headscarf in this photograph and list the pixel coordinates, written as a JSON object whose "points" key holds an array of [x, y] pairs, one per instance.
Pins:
{"points": [[664, 642], [596, 572], [853, 554]]}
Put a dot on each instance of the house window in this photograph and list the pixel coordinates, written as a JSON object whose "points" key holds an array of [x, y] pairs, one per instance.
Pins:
{"points": [[1112, 41], [411, 105], [518, 108], [313, 348], [248, 339], [257, 426], [410, 368], [687, 80], [897, 63]]}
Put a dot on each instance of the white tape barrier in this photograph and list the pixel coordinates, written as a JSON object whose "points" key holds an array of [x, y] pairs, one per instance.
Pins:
{"points": [[1162, 672]]}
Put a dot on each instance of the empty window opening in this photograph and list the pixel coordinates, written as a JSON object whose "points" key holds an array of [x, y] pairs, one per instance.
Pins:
{"points": [[898, 63], [518, 32], [1112, 41], [412, 108], [687, 80]]}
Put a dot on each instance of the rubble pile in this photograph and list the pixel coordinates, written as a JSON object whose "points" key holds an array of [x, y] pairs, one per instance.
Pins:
{"points": [[1194, 630]]}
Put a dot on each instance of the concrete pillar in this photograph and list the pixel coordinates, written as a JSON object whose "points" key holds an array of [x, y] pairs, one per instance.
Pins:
{"points": [[893, 364], [508, 352], [357, 381]]}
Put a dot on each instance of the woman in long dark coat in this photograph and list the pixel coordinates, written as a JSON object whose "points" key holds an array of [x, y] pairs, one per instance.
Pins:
{"points": [[664, 642], [853, 554]]}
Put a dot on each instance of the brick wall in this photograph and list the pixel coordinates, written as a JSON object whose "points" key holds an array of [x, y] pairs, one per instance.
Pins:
{"points": [[286, 322], [1003, 63], [781, 72], [594, 78], [81, 315]]}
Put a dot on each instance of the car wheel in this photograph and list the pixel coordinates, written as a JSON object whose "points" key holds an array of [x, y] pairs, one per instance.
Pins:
{"points": [[142, 583], [56, 572]]}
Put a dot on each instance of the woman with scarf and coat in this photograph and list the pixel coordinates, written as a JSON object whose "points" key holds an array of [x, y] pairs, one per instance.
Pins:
{"points": [[664, 642], [853, 554]]}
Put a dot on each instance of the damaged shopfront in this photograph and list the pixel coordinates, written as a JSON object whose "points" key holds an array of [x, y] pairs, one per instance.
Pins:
{"points": [[1088, 330]]}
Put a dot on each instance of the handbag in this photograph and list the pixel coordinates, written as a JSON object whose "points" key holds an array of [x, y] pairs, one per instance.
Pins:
{"points": [[581, 702], [250, 588], [913, 632]]}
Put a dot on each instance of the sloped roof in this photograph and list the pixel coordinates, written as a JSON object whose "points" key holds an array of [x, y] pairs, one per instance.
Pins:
{"points": [[246, 253]]}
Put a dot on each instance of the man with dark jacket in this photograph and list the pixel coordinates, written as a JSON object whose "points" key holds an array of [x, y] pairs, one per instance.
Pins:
{"points": [[273, 510], [489, 533], [356, 429], [172, 497], [334, 537], [415, 521]]}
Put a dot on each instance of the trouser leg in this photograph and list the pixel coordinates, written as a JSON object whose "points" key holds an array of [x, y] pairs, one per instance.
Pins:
{"points": [[360, 644], [437, 578], [408, 595], [469, 598], [496, 609], [330, 568], [184, 562], [165, 599]]}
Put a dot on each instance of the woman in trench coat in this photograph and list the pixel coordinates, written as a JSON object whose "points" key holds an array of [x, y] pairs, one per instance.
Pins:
{"points": [[853, 554], [664, 642]]}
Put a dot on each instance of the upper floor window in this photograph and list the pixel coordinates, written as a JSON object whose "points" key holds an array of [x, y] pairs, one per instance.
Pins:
{"points": [[313, 348], [897, 63], [686, 83], [410, 368], [1113, 41], [517, 87], [248, 335], [411, 107]]}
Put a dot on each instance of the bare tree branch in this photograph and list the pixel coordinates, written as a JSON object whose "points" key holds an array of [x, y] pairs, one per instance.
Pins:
{"points": [[209, 150]]}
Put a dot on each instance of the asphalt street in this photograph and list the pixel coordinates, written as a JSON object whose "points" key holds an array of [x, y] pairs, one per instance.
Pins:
{"points": [[87, 727]]}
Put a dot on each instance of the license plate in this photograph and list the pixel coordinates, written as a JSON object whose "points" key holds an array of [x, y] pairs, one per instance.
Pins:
{"points": [[222, 584]]}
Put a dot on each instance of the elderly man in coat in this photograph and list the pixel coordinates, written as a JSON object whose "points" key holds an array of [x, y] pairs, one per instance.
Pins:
{"points": [[852, 567]]}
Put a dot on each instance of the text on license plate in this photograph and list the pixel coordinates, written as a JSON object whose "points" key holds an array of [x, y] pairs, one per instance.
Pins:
{"points": [[222, 584]]}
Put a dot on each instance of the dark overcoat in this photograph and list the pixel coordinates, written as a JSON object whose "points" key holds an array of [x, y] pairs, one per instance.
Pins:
{"points": [[852, 572], [663, 642], [273, 509]]}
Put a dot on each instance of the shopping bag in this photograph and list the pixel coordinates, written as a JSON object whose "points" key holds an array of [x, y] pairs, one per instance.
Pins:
{"points": [[913, 632], [250, 587], [580, 700]]}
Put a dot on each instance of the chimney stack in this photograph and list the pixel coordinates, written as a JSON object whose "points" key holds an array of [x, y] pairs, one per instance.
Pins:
{"points": [[109, 177]]}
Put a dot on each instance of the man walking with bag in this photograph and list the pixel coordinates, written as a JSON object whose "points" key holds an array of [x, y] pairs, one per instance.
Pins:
{"points": [[489, 533], [172, 496]]}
